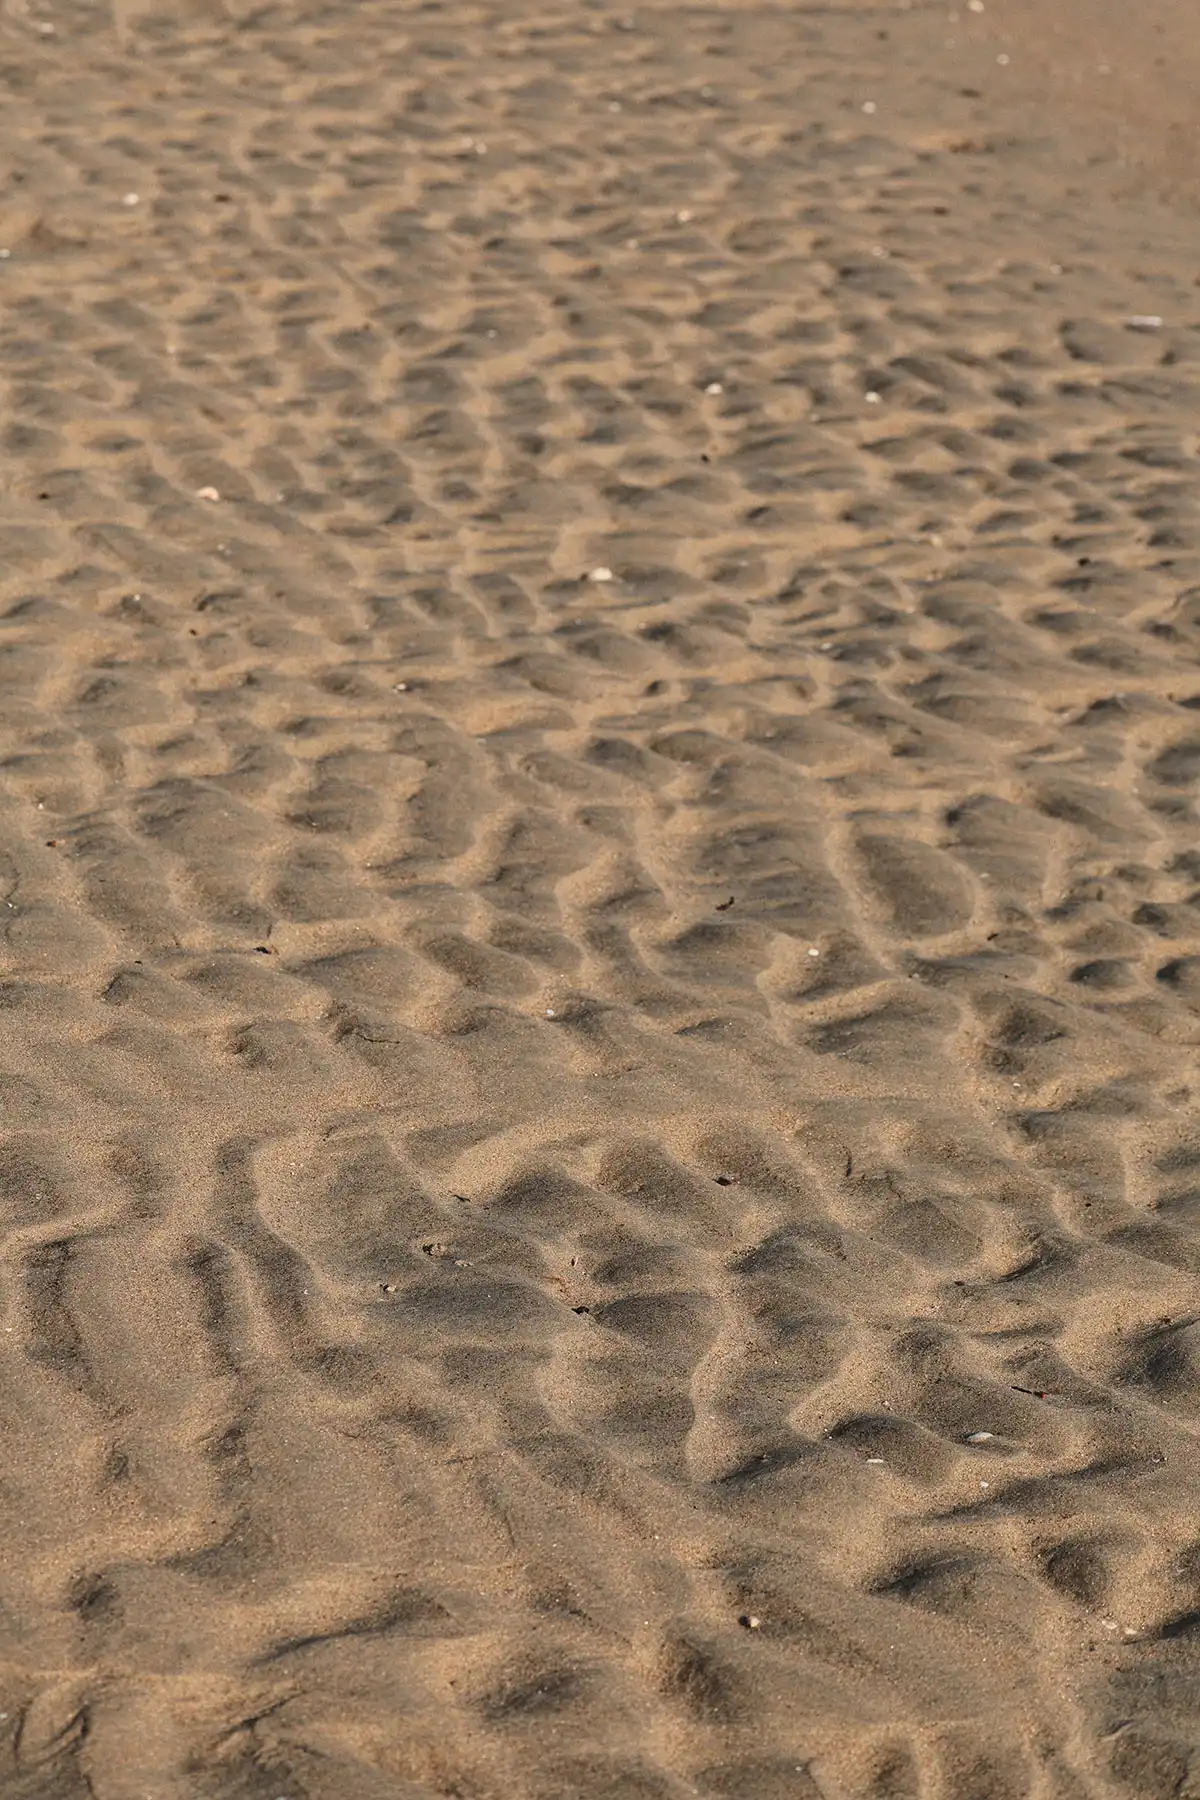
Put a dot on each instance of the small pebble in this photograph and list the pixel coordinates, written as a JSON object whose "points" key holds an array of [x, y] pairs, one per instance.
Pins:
{"points": [[5, 254], [975, 6], [208, 493], [401, 687], [869, 106], [875, 1459], [684, 216], [981, 1437], [873, 399], [714, 387], [550, 1012], [1144, 322], [1002, 60], [130, 199], [601, 575], [814, 952]]}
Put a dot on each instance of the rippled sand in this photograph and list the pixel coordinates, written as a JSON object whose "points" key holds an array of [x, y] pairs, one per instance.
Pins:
{"points": [[599, 670]]}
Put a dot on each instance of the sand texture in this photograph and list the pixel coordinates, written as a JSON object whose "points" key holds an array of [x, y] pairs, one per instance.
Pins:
{"points": [[599, 729]]}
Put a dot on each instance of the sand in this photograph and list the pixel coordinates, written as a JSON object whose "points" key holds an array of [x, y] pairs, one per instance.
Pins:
{"points": [[599, 670]]}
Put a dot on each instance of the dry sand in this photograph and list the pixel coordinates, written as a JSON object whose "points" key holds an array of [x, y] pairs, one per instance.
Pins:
{"points": [[599, 671]]}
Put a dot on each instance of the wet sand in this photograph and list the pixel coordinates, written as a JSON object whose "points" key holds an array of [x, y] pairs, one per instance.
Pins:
{"points": [[599, 668]]}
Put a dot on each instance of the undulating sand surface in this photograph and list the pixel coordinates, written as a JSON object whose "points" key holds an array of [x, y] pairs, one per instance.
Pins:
{"points": [[599, 690]]}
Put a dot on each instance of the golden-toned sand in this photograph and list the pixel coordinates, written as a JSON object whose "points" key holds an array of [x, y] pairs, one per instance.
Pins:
{"points": [[599, 688]]}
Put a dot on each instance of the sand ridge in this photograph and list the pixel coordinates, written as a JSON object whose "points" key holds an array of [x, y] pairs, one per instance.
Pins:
{"points": [[598, 657]]}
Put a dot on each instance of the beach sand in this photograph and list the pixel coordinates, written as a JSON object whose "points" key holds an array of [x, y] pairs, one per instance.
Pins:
{"points": [[599, 687]]}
